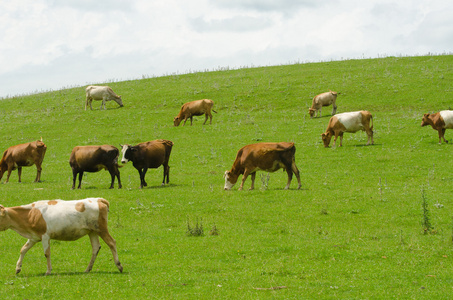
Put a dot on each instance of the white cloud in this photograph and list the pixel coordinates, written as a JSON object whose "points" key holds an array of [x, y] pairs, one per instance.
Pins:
{"points": [[49, 44]]}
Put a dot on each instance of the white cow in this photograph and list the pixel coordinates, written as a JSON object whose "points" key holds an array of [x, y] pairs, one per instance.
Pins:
{"points": [[348, 122], [103, 93], [60, 220]]}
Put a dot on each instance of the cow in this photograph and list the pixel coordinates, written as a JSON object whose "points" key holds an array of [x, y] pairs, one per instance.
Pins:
{"points": [[348, 122], [439, 121], [267, 157], [61, 220], [195, 108], [146, 155], [103, 93], [324, 99], [23, 155], [93, 159]]}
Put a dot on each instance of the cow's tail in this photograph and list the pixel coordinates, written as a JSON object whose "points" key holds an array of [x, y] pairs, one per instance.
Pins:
{"points": [[371, 122], [214, 111]]}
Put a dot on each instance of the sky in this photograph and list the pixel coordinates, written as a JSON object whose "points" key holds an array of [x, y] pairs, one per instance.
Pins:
{"points": [[54, 44]]}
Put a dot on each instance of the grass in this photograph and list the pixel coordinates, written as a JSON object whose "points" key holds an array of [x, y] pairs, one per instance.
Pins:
{"points": [[355, 230]]}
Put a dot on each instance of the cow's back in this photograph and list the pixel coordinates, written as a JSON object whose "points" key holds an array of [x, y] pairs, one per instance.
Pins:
{"points": [[352, 121], [69, 220], [447, 116]]}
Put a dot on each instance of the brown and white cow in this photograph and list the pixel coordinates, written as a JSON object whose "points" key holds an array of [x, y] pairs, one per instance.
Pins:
{"points": [[439, 121], [268, 157], [195, 108], [324, 99], [146, 155], [47, 220], [23, 155], [348, 122], [93, 159], [103, 93]]}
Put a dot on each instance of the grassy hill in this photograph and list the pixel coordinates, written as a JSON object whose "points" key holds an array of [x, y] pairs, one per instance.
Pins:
{"points": [[353, 231]]}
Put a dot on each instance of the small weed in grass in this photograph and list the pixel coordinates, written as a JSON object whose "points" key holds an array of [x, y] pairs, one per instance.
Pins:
{"points": [[195, 231], [427, 227]]}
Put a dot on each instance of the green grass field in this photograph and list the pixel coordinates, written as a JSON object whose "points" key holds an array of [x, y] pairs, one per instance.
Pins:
{"points": [[353, 231]]}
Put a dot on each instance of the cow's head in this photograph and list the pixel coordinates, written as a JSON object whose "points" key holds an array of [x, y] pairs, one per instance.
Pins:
{"points": [[126, 149], [119, 101], [326, 136], [426, 120], [3, 219], [176, 121], [230, 180], [312, 112]]}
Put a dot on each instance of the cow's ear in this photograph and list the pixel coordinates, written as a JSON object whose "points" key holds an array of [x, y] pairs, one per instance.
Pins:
{"points": [[2, 211], [121, 146]]}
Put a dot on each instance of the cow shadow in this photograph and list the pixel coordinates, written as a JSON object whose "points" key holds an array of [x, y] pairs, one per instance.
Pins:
{"points": [[79, 273]]}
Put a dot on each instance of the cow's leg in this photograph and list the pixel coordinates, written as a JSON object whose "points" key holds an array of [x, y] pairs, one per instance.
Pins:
{"points": [[166, 173], [80, 179], [118, 177], [23, 251], [296, 171], [19, 172], [334, 109], [253, 175], [341, 139], [185, 120], [110, 241], [38, 173], [95, 247], [205, 118], [142, 174], [369, 133], [319, 112], [443, 136], [10, 169], [289, 171], [335, 139], [46, 246], [191, 119], [244, 177], [74, 177], [103, 102]]}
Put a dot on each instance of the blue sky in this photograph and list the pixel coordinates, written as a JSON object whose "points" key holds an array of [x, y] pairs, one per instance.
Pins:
{"points": [[52, 44]]}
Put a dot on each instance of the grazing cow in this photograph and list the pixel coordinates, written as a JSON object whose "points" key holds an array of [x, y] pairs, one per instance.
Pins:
{"points": [[439, 121], [267, 157], [47, 220], [93, 159], [146, 155], [324, 99], [195, 108], [348, 122], [103, 93], [23, 155]]}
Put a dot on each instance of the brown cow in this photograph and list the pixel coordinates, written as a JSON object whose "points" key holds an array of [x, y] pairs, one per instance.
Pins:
{"points": [[439, 121], [60, 220], [324, 99], [195, 108], [146, 155], [267, 157], [348, 122], [23, 155], [94, 159], [104, 93]]}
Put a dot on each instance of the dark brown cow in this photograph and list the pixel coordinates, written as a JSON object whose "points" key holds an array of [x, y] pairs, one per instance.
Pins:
{"points": [[146, 155], [195, 108], [348, 122], [93, 159], [267, 157], [439, 121], [47, 220], [23, 155]]}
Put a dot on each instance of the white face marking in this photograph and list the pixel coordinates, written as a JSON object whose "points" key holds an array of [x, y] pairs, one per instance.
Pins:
{"points": [[228, 184], [124, 160]]}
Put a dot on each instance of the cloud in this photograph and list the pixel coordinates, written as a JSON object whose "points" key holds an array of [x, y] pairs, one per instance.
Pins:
{"points": [[239, 24]]}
